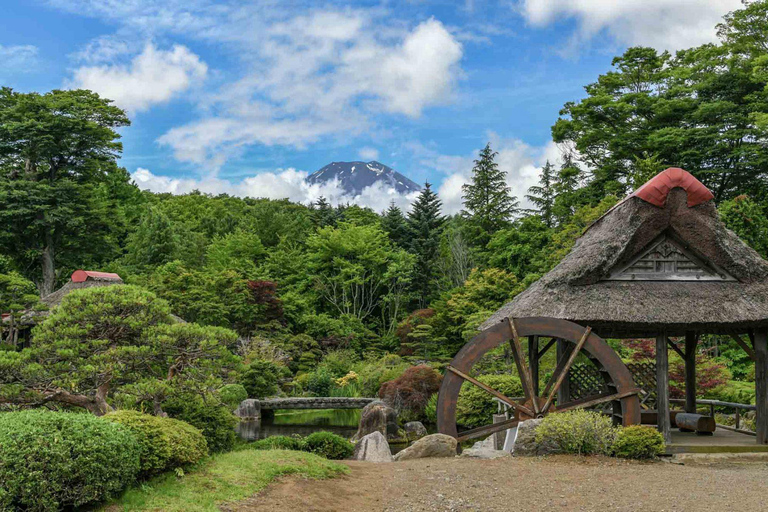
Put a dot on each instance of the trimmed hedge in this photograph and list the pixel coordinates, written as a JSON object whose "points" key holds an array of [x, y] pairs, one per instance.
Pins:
{"points": [[216, 422], [165, 443], [325, 444], [639, 442], [51, 460]]}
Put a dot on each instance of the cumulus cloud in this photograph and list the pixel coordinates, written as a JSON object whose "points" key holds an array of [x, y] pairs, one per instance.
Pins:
{"points": [[663, 24], [322, 74], [281, 184], [154, 76], [17, 58]]}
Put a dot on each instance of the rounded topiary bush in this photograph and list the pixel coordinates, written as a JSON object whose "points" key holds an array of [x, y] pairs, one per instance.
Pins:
{"points": [[328, 445], [216, 422], [580, 432], [232, 394], [51, 460], [639, 442], [165, 443], [476, 407], [279, 443]]}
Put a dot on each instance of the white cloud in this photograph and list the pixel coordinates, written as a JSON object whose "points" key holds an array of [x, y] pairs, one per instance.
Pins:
{"points": [[154, 76], [663, 24], [281, 184], [368, 153], [17, 58]]}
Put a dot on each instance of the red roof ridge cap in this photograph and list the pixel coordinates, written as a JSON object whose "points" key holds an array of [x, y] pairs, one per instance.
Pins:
{"points": [[656, 190], [79, 276]]}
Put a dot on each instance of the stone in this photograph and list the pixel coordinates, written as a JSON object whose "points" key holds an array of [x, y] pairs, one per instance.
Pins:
{"points": [[373, 448], [415, 430], [484, 453], [434, 445], [378, 417], [526, 444], [249, 412]]}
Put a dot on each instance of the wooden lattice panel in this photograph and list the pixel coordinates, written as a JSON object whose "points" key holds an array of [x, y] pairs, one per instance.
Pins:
{"points": [[644, 375], [585, 380]]}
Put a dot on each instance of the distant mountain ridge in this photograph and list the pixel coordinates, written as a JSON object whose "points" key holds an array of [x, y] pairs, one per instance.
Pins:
{"points": [[355, 176]]}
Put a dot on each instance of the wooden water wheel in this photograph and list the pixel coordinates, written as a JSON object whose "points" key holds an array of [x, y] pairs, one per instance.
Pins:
{"points": [[619, 389]]}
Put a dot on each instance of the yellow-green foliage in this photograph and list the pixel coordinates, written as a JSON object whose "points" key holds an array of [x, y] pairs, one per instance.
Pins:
{"points": [[581, 432], [475, 407], [638, 442], [165, 443]]}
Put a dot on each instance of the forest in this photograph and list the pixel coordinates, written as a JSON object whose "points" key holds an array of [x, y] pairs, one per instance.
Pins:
{"points": [[323, 299]]}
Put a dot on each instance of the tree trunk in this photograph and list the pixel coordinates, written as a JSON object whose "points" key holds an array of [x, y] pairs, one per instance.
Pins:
{"points": [[49, 265]]}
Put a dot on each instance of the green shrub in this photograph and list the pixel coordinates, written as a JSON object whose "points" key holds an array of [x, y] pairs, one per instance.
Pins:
{"points": [[430, 411], [338, 362], [476, 407], [165, 443], [328, 445], [260, 378], [51, 460], [638, 442], [580, 432], [279, 443], [232, 394], [319, 383], [216, 422]]}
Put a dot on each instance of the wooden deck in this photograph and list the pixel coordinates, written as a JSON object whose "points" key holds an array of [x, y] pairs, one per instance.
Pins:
{"points": [[722, 441]]}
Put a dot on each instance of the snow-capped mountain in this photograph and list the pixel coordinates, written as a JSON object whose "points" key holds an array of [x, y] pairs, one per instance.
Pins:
{"points": [[355, 176]]}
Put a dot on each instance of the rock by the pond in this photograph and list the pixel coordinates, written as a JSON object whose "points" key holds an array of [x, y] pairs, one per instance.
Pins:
{"points": [[526, 444], [378, 417], [249, 412], [484, 453], [434, 445], [373, 448], [415, 430]]}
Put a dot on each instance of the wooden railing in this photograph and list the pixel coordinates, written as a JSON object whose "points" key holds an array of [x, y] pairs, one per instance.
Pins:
{"points": [[711, 404]]}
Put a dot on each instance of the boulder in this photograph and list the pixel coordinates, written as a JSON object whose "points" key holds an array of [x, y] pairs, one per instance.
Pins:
{"points": [[249, 412], [415, 430], [434, 445], [378, 417], [373, 448], [484, 453], [526, 444]]}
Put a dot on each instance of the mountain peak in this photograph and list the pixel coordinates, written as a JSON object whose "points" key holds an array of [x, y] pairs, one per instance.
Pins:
{"points": [[355, 176]]}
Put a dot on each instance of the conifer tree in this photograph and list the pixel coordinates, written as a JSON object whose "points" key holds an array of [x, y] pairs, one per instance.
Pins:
{"points": [[154, 243], [488, 204], [394, 224], [425, 224], [543, 195], [323, 214], [566, 190]]}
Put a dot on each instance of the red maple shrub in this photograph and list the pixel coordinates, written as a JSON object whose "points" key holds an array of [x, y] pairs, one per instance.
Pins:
{"points": [[264, 293], [410, 392]]}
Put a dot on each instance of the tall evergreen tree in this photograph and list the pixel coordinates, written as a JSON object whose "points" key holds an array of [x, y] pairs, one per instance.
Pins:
{"points": [[543, 195], [154, 243], [567, 192], [394, 223], [323, 214], [488, 204], [425, 225]]}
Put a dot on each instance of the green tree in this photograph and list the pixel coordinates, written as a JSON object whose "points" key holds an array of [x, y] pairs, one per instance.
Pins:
{"points": [[488, 204], [155, 241], [240, 250], [543, 195], [395, 225], [56, 149], [425, 225], [323, 214], [748, 220], [17, 294]]}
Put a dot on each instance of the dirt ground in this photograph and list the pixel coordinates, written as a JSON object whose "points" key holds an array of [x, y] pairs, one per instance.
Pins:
{"points": [[561, 483]]}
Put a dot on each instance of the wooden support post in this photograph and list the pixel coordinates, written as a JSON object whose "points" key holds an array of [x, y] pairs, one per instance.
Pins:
{"points": [[564, 392], [691, 342], [662, 387], [761, 385], [533, 357]]}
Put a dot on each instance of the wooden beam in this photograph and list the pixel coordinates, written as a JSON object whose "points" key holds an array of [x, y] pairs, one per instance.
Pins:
{"points": [[533, 357], [674, 347], [591, 401], [486, 430], [662, 387], [743, 344], [691, 342], [559, 377], [485, 387], [547, 347], [522, 367], [761, 385], [564, 393]]}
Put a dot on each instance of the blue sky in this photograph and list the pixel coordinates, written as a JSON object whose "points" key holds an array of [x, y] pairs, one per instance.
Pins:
{"points": [[249, 97]]}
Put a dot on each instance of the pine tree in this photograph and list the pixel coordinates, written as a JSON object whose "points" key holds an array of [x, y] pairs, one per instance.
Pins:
{"points": [[566, 190], [154, 242], [543, 196], [488, 204], [394, 224], [425, 225], [323, 214]]}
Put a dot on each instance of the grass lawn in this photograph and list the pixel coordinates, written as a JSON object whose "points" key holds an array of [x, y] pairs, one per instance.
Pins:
{"points": [[226, 477]]}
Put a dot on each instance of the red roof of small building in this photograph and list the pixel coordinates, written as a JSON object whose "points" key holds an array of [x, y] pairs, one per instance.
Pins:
{"points": [[80, 276], [656, 190]]}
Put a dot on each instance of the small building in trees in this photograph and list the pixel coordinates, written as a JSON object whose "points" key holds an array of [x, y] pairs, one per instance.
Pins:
{"points": [[80, 279], [661, 264]]}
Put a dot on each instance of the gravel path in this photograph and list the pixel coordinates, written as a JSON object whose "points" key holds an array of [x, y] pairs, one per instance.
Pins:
{"points": [[557, 483]]}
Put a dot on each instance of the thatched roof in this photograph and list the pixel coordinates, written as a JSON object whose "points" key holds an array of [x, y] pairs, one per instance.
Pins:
{"points": [[611, 281]]}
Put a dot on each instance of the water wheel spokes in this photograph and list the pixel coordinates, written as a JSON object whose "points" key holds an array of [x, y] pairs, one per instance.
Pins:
{"points": [[619, 387]]}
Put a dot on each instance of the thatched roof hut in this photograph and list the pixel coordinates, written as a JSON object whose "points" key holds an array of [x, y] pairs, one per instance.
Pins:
{"points": [[659, 261]]}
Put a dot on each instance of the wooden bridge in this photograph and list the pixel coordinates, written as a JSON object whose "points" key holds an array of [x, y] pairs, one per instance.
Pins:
{"points": [[315, 402]]}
